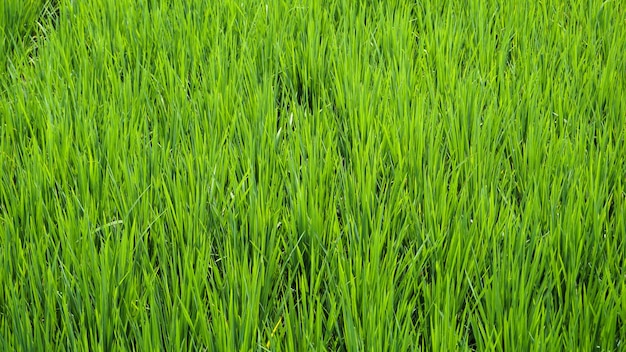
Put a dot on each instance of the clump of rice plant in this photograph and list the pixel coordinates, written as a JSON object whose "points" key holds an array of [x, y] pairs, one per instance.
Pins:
{"points": [[312, 175]]}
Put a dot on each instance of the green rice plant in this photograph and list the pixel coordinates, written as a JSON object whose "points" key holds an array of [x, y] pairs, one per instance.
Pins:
{"points": [[312, 175]]}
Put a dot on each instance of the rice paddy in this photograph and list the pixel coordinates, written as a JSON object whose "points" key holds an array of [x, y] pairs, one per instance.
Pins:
{"points": [[312, 175]]}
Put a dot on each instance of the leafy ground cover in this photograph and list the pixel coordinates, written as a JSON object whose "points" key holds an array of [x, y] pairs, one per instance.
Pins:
{"points": [[312, 175]]}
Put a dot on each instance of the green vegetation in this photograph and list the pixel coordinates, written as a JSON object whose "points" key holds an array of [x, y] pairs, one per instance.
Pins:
{"points": [[312, 175]]}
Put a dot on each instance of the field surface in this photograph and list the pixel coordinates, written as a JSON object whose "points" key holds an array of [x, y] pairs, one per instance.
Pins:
{"points": [[312, 175]]}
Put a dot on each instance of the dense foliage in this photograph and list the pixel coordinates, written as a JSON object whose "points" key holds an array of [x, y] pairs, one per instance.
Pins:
{"points": [[312, 175]]}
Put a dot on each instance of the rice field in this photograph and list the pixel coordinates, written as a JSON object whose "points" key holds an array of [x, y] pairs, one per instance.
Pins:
{"points": [[312, 175]]}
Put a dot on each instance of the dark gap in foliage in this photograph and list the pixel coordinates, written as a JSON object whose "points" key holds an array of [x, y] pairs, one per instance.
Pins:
{"points": [[339, 214], [21, 31], [471, 340], [281, 100], [292, 87], [304, 93], [343, 136], [505, 44], [49, 17], [340, 332]]}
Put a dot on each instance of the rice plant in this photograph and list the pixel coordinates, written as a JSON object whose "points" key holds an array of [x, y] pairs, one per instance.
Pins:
{"points": [[312, 175]]}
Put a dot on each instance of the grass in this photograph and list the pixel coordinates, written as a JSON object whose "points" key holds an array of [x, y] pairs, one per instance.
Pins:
{"points": [[308, 175]]}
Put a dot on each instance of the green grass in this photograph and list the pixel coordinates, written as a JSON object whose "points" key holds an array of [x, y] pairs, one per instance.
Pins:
{"points": [[312, 175]]}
